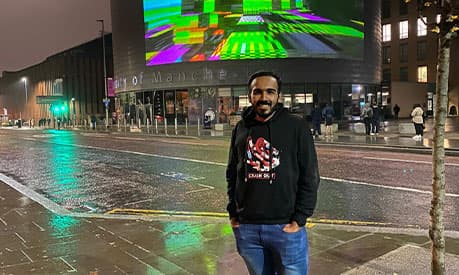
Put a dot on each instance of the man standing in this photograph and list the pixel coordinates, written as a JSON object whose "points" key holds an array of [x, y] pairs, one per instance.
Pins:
{"points": [[316, 116], [328, 114], [273, 178], [396, 111], [367, 114]]}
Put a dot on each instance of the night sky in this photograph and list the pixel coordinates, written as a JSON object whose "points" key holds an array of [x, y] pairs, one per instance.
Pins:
{"points": [[32, 30]]}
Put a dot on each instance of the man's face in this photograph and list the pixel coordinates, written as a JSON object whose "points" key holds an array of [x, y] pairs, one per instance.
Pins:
{"points": [[264, 95]]}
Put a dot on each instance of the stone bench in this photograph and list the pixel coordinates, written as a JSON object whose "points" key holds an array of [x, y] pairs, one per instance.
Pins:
{"points": [[221, 126], [406, 129], [358, 128], [334, 128]]}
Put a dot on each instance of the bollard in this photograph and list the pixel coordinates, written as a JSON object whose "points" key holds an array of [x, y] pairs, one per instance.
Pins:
{"points": [[156, 126], [175, 126], [165, 126], [148, 125], [199, 132], [186, 126]]}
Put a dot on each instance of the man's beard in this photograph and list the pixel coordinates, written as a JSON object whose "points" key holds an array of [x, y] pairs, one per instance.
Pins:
{"points": [[264, 115]]}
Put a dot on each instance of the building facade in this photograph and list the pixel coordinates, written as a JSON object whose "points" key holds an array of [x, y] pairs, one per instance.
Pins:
{"points": [[409, 57], [68, 86], [180, 59]]}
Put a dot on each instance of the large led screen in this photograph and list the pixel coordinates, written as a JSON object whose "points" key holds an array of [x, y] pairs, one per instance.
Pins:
{"points": [[208, 30]]}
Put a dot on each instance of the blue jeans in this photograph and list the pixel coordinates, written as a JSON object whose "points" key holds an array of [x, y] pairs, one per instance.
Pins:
{"points": [[267, 249]]}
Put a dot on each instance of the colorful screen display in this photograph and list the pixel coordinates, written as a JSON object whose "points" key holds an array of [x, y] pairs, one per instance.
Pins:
{"points": [[208, 30]]}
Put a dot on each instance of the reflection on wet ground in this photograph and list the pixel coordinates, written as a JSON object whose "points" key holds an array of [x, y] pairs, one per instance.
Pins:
{"points": [[34, 240]]}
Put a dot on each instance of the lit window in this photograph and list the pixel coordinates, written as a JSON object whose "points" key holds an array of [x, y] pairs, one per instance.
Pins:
{"points": [[438, 18], [386, 33], [403, 28], [422, 27], [422, 74]]}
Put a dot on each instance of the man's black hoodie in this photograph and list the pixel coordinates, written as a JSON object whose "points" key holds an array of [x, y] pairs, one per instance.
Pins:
{"points": [[272, 171]]}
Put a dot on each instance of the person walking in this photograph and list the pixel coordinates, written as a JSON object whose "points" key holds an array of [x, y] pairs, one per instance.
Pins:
{"points": [[366, 114], [418, 120], [328, 114], [376, 119], [396, 111], [316, 116], [272, 177]]}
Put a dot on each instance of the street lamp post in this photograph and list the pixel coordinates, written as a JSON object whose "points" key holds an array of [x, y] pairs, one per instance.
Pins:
{"points": [[105, 72], [73, 111], [24, 79]]}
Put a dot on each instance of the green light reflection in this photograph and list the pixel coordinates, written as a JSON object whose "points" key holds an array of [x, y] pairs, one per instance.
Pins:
{"points": [[180, 237], [64, 171]]}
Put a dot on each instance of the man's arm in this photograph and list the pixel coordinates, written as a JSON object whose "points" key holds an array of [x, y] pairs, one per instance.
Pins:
{"points": [[308, 180], [231, 176]]}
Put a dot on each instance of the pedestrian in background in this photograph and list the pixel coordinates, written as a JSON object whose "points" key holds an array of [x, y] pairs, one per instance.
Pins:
{"points": [[366, 114], [273, 178], [418, 121], [328, 114], [316, 116], [93, 122], [376, 119], [396, 111]]}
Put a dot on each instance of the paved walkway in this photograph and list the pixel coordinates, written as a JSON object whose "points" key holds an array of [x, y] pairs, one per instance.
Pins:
{"points": [[34, 240]]}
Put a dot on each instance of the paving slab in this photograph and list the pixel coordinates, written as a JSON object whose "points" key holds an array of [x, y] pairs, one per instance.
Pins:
{"points": [[408, 259]]}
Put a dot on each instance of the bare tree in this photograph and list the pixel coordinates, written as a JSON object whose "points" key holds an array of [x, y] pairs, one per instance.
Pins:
{"points": [[447, 29]]}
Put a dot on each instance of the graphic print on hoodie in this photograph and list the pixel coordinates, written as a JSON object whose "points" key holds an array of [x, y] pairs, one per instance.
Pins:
{"points": [[262, 158]]}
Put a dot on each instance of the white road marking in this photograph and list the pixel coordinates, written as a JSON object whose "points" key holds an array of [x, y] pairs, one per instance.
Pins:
{"points": [[1, 220], [150, 155], [43, 135], [139, 153], [121, 270], [182, 142], [141, 248], [27, 256], [20, 237], [19, 213], [136, 202], [131, 138], [387, 187], [150, 268], [126, 240], [144, 139], [26, 191], [72, 268], [94, 134], [39, 227], [410, 161]]}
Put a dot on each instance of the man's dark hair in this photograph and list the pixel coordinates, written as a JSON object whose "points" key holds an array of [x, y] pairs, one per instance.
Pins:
{"points": [[265, 73]]}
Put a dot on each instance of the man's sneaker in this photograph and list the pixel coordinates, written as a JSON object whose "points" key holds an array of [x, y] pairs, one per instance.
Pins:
{"points": [[372, 134]]}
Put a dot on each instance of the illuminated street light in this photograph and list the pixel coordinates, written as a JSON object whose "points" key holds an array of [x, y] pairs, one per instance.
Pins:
{"points": [[106, 102], [74, 111], [24, 79]]}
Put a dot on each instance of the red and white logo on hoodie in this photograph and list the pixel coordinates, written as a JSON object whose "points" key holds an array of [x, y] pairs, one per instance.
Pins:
{"points": [[259, 155]]}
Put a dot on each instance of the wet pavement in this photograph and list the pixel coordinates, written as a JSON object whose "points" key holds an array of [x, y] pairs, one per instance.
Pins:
{"points": [[35, 240]]}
